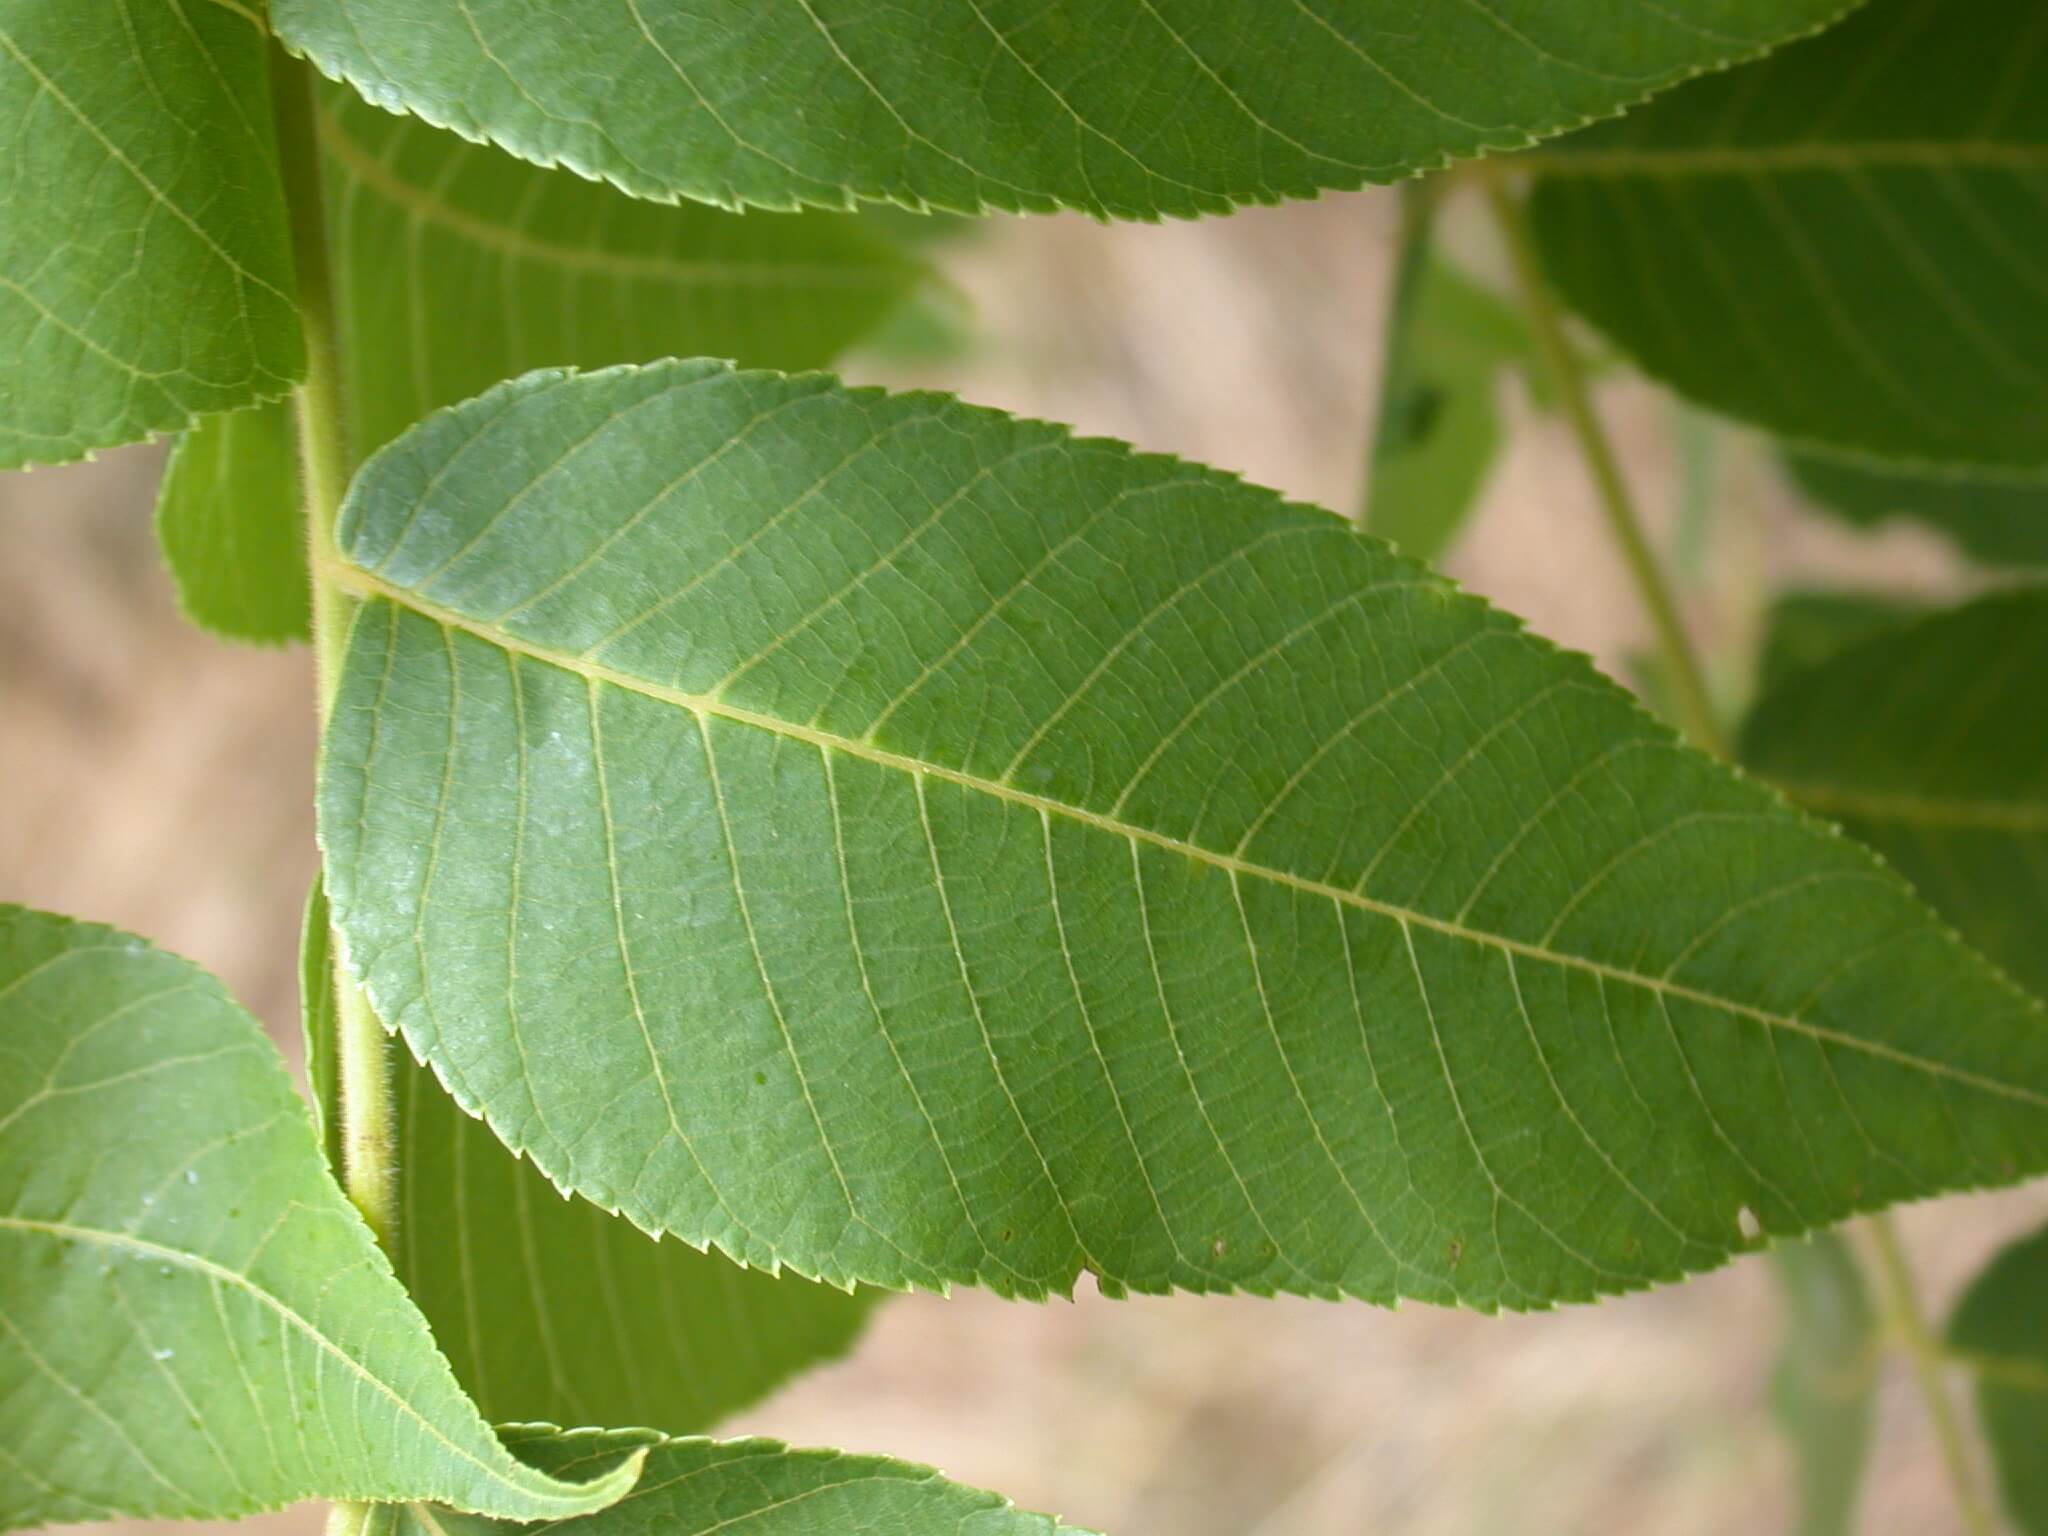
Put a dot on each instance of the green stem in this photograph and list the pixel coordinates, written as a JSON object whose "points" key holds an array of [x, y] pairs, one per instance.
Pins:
{"points": [[1419, 201], [1688, 684], [1702, 724], [362, 1049], [1902, 1312]]}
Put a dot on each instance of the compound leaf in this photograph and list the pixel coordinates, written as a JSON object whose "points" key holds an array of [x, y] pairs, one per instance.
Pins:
{"points": [[1842, 243], [1929, 743], [2001, 522], [1823, 1389], [1172, 107], [193, 1321], [457, 266], [885, 838], [2001, 1328], [744, 1488], [145, 276]]}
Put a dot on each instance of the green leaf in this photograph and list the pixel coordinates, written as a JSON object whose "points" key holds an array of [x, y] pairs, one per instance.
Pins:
{"points": [[744, 1488], [911, 845], [457, 266], [145, 277], [2000, 522], [1842, 244], [1823, 1387], [1439, 419], [227, 519], [1123, 111], [548, 1306], [507, 268], [193, 1321], [2002, 1327], [1805, 629], [317, 1026], [1929, 743]]}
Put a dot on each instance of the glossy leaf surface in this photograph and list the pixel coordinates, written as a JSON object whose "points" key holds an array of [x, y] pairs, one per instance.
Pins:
{"points": [[144, 273], [911, 845], [193, 1321], [2001, 1327], [1172, 107], [1929, 742], [745, 1488], [1842, 243]]}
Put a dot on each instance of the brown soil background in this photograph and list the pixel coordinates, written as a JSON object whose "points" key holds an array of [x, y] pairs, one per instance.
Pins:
{"points": [[159, 780]]}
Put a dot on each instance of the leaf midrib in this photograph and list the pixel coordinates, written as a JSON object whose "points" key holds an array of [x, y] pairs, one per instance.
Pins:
{"points": [[1847, 157], [520, 245], [364, 585], [241, 1282]]}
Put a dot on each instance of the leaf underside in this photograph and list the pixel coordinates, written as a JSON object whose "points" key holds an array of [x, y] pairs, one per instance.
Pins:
{"points": [[144, 272], [1929, 743], [1173, 107], [881, 837], [2001, 1327], [546, 1305], [193, 1321], [1842, 243], [550, 1304], [508, 268], [743, 1488], [457, 266]]}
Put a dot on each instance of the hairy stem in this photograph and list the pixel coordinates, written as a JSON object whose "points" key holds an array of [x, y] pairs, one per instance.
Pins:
{"points": [[1902, 1315], [362, 1048], [1561, 359]]}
